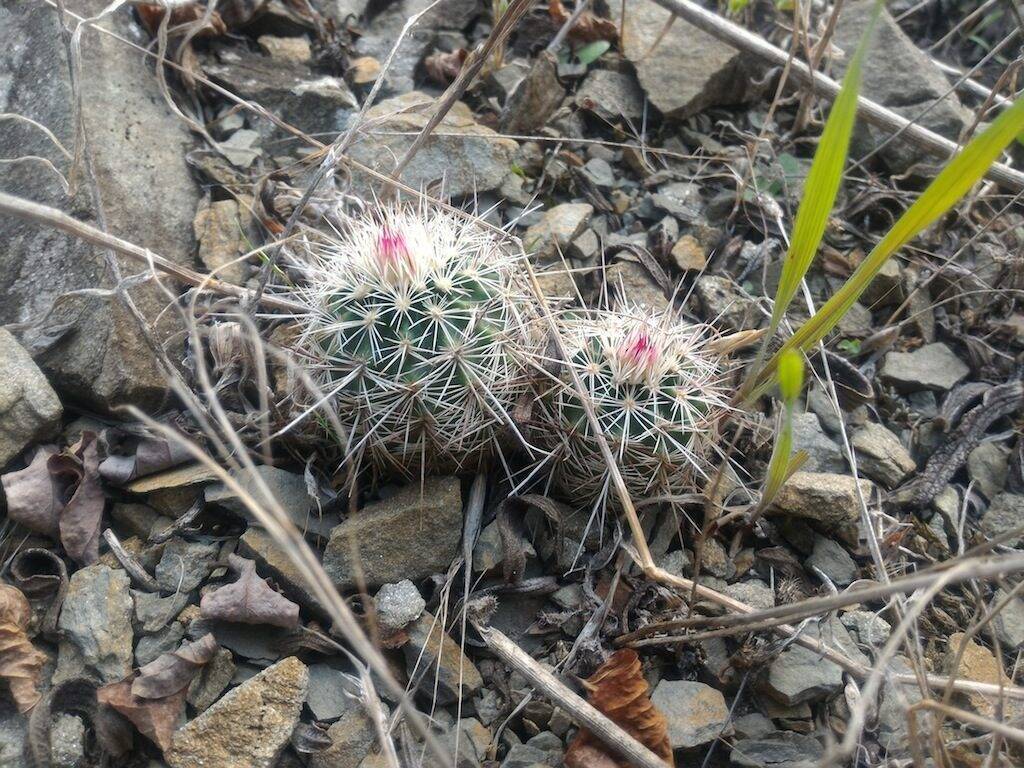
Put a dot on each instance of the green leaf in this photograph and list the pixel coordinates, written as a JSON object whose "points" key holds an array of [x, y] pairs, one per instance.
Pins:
{"points": [[822, 183], [955, 180], [591, 52]]}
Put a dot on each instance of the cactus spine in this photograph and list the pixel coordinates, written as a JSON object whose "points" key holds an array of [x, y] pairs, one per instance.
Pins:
{"points": [[658, 394], [414, 325]]}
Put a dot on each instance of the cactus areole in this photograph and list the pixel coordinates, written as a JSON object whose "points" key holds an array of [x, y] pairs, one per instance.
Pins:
{"points": [[412, 330], [658, 394]]}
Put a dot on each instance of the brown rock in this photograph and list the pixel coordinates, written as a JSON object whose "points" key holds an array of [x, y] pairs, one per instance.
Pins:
{"points": [[829, 500], [249, 726], [430, 646]]}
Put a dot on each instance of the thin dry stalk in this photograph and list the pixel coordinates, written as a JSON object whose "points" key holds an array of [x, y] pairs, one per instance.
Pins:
{"points": [[583, 713], [874, 113]]}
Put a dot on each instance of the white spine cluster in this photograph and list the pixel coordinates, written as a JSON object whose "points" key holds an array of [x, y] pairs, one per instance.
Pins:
{"points": [[658, 394], [415, 326]]}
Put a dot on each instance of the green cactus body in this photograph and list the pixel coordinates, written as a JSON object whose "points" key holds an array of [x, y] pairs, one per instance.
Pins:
{"points": [[414, 328], [657, 393]]}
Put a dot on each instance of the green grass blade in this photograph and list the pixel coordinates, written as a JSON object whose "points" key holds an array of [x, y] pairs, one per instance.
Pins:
{"points": [[955, 181], [822, 184], [783, 463]]}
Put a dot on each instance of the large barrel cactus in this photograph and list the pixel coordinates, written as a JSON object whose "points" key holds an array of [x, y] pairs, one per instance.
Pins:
{"points": [[658, 393], [415, 326]]}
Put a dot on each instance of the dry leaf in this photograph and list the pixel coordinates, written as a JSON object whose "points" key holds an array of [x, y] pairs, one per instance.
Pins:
{"points": [[34, 500], [620, 692], [443, 68], [588, 27], [20, 662], [150, 455], [151, 14], [172, 672], [249, 600], [156, 719], [80, 521]]}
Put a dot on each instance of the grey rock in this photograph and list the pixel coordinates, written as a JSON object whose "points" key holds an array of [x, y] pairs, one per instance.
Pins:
{"points": [[1009, 622], [599, 172], [535, 98], [211, 681], [899, 75], [257, 644], [220, 227], [680, 199], [678, 562], [381, 32], [29, 408], [398, 604], [331, 694], [163, 641], [611, 95], [688, 70], [856, 322], [153, 612], [13, 730], [822, 452], [525, 756], [833, 560], [752, 726], [185, 565], [881, 455], [630, 284], [987, 466], [137, 519], [287, 488], [446, 665], [273, 562], [310, 101], [96, 626], [828, 500], [754, 593], [67, 741], [488, 551], [412, 534], [559, 226], [868, 628], [821, 404], [696, 712], [351, 739], [725, 303], [799, 675], [1004, 514], [886, 288], [783, 749], [141, 176], [715, 559], [249, 726], [892, 709], [242, 147], [469, 157], [933, 366]]}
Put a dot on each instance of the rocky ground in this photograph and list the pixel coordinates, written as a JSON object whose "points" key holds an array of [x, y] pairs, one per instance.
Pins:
{"points": [[662, 166]]}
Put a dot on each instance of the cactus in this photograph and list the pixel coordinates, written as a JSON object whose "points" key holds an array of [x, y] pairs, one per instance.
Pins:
{"points": [[414, 325], [658, 393]]}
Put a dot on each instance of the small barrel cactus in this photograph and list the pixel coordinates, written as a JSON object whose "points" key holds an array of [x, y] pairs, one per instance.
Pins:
{"points": [[415, 326], [658, 393]]}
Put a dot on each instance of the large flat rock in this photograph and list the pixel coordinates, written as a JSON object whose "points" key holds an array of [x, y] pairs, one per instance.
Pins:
{"points": [[143, 193]]}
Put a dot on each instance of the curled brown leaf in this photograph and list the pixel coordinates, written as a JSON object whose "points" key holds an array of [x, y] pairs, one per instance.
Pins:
{"points": [[172, 672], [588, 28], [151, 14], [80, 521], [443, 67], [148, 456], [20, 662], [620, 692], [156, 719], [34, 498], [249, 600]]}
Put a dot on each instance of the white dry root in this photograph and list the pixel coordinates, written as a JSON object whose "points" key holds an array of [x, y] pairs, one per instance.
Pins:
{"points": [[416, 323], [659, 395]]}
